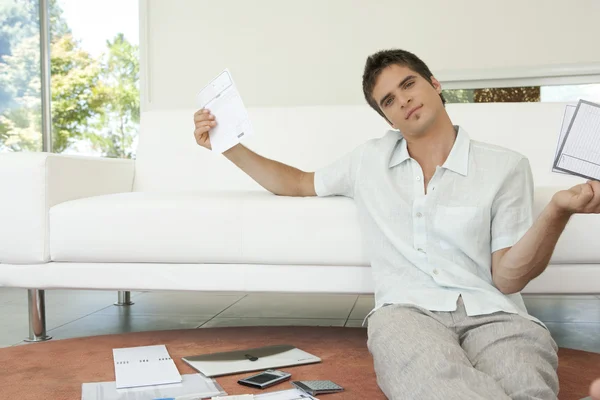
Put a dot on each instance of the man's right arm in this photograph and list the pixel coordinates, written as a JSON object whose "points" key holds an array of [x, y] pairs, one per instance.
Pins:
{"points": [[276, 177]]}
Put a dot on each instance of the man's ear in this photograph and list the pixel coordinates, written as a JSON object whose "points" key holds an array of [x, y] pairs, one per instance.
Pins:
{"points": [[436, 84]]}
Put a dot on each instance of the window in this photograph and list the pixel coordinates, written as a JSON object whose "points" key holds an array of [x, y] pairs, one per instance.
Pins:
{"points": [[555, 93], [20, 89], [94, 64]]}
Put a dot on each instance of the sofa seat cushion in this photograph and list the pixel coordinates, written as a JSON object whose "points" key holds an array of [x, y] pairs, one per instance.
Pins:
{"points": [[207, 227]]}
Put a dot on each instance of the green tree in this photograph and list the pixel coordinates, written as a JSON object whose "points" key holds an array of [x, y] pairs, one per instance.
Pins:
{"points": [[77, 95], [118, 123], [20, 83], [93, 99], [458, 95]]}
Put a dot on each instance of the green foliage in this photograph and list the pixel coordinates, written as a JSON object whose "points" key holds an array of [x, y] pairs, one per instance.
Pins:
{"points": [[93, 99], [458, 95]]}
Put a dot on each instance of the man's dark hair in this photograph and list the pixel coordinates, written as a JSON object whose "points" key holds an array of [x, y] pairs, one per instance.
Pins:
{"points": [[383, 59]]}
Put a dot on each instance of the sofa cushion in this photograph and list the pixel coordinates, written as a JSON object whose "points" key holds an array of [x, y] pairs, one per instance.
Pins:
{"points": [[206, 227], [242, 227]]}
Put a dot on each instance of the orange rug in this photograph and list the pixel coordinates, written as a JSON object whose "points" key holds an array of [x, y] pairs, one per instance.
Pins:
{"points": [[56, 369]]}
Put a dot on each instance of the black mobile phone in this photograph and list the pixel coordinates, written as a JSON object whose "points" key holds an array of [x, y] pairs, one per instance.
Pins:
{"points": [[265, 379]]}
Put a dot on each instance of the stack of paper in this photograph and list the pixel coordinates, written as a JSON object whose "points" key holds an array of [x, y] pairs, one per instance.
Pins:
{"points": [[291, 394], [192, 386], [578, 151]]}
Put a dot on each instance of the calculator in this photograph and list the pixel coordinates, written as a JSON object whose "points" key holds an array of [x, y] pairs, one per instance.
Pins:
{"points": [[317, 387]]}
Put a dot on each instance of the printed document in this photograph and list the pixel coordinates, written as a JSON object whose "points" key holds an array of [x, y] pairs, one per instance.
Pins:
{"points": [[579, 151], [192, 387], [221, 97], [144, 366]]}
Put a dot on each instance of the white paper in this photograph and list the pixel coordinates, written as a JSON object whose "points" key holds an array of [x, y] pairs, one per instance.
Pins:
{"points": [[580, 151], [193, 386], [223, 100], [568, 116], [144, 366], [292, 394]]}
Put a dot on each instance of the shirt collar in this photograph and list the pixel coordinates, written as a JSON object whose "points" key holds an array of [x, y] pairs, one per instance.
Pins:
{"points": [[457, 161]]}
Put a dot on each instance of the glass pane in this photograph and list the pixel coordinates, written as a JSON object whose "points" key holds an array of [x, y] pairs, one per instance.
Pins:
{"points": [[493, 95], [558, 93], [95, 77], [20, 88], [571, 93]]}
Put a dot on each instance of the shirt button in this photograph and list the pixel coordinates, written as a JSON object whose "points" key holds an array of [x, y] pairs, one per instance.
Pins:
{"points": [[418, 178], [419, 215], [435, 271]]}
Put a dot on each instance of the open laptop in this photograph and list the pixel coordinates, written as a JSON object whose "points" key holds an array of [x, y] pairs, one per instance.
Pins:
{"points": [[232, 362]]}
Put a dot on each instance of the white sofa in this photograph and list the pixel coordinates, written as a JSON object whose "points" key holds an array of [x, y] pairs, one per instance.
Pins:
{"points": [[182, 218]]}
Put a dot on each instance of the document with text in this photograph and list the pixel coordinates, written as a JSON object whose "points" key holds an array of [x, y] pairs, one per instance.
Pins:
{"points": [[579, 149], [222, 98]]}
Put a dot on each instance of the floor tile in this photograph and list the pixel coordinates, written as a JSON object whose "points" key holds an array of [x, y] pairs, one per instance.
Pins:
{"points": [[12, 295], [363, 307], [355, 323], [94, 325], [196, 304], [17, 315], [62, 297], [580, 336], [228, 322], [10, 336], [562, 309], [292, 306]]}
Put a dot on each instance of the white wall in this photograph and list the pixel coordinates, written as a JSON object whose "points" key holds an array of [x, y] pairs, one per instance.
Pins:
{"points": [[312, 52]]}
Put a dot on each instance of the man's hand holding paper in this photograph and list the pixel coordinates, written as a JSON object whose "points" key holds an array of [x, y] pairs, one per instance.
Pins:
{"points": [[221, 98]]}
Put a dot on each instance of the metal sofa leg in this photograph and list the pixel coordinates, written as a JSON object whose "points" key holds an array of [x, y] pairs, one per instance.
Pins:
{"points": [[37, 316], [124, 299]]}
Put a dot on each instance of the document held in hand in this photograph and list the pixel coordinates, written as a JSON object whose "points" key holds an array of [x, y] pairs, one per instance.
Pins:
{"points": [[223, 100], [579, 148]]}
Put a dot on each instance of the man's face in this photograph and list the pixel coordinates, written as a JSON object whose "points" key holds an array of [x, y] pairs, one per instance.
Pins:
{"points": [[408, 100]]}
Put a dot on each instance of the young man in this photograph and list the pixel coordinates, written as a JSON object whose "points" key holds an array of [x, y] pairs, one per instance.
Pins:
{"points": [[449, 231]]}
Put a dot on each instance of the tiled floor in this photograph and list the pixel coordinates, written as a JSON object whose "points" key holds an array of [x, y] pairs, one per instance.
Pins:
{"points": [[574, 321]]}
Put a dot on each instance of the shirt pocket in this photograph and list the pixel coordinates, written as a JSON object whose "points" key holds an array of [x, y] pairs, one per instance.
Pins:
{"points": [[461, 227]]}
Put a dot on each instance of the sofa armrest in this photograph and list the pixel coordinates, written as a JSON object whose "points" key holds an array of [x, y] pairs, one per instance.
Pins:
{"points": [[34, 182]]}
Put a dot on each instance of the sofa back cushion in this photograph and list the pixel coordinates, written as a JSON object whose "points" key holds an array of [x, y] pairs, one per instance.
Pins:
{"points": [[168, 158]]}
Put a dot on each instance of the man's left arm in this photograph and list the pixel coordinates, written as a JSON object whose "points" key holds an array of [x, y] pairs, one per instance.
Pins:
{"points": [[514, 267]]}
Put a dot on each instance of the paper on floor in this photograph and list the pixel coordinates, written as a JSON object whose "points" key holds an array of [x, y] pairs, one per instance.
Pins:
{"points": [[144, 366], [292, 394], [192, 386], [221, 97]]}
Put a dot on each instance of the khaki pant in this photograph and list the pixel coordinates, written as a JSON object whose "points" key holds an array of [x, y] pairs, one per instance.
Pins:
{"points": [[420, 354]]}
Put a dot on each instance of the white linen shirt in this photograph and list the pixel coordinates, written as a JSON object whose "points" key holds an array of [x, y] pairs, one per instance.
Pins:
{"points": [[427, 249]]}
